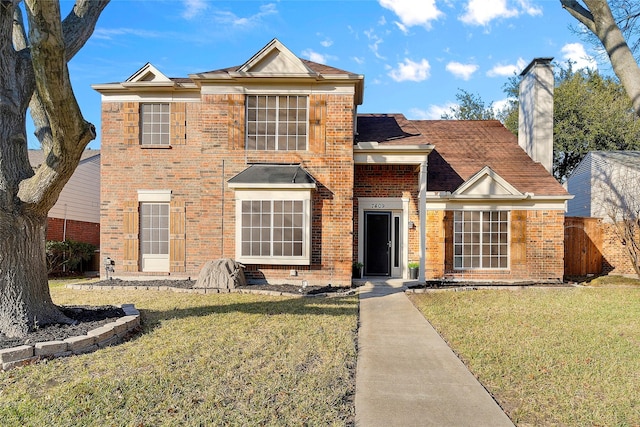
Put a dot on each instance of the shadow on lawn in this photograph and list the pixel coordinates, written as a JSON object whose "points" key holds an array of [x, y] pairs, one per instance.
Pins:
{"points": [[346, 306]]}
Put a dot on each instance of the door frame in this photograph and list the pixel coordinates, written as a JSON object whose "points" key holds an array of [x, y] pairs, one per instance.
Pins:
{"points": [[399, 208]]}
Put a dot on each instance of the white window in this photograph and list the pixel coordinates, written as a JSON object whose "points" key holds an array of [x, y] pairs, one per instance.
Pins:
{"points": [[277, 122], [481, 240], [154, 229], [154, 124], [273, 227]]}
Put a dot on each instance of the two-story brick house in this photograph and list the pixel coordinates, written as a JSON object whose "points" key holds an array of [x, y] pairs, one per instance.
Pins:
{"points": [[270, 164]]}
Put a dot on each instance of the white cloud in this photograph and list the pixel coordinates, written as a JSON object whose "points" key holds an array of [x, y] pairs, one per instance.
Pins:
{"points": [[507, 70], [529, 8], [579, 58], [482, 12], [401, 27], [326, 42], [358, 59], [411, 71], [375, 43], [229, 18], [193, 8], [311, 55], [434, 112], [461, 71], [500, 105], [412, 12], [109, 34]]}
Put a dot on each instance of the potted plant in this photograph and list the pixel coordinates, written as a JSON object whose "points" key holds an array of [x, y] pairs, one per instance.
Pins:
{"points": [[414, 267], [356, 270]]}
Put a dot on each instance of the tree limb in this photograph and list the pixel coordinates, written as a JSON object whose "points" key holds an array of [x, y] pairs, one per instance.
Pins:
{"points": [[576, 10], [57, 114]]}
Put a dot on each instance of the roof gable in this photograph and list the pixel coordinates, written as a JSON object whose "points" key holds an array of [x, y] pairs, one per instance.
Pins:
{"points": [[486, 182], [147, 74], [275, 58]]}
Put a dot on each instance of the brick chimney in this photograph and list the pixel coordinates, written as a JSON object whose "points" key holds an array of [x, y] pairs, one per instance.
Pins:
{"points": [[535, 117]]}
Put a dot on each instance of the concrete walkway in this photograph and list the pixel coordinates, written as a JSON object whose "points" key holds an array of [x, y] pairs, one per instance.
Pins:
{"points": [[407, 375]]}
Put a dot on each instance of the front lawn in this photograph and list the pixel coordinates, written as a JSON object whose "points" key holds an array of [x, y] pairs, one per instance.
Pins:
{"points": [[550, 356], [226, 359]]}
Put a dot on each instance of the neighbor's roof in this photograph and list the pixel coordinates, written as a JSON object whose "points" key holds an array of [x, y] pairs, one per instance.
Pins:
{"points": [[462, 148], [628, 158], [36, 157]]}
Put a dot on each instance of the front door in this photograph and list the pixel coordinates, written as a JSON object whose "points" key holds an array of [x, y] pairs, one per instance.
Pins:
{"points": [[377, 243]]}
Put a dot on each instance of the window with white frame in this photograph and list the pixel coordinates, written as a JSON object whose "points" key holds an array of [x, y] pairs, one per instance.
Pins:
{"points": [[273, 227], [277, 122], [481, 240], [154, 124], [154, 236]]}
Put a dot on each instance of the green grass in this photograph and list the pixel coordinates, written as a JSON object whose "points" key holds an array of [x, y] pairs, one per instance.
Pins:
{"points": [[613, 281], [555, 356], [226, 359]]}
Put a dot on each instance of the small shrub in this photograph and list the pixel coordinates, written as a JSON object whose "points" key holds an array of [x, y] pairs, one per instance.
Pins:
{"points": [[67, 255]]}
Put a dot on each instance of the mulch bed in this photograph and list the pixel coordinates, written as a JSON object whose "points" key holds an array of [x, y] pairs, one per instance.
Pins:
{"points": [[88, 318]]}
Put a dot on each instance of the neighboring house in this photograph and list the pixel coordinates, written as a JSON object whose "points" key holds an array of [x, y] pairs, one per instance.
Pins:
{"points": [[604, 183], [270, 164], [76, 214]]}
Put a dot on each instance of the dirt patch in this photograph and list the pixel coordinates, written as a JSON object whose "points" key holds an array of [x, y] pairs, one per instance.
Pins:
{"points": [[88, 318]]}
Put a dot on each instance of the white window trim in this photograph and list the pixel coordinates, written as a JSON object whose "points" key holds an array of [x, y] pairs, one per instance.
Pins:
{"points": [[155, 145], [304, 196], [508, 254], [154, 195], [159, 262], [306, 121]]}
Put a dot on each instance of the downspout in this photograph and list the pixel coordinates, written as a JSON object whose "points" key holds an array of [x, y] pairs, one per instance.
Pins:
{"points": [[422, 206]]}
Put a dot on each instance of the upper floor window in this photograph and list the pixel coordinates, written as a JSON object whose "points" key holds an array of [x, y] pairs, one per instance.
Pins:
{"points": [[277, 122], [480, 239], [154, 124]]}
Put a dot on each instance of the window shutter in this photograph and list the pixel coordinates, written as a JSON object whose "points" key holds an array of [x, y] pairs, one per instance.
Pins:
{"points": [[317, 123], [236, 122], [130, 225], [177, 223], [131, 131], [448, 241], [178, 122], [518, 238]]}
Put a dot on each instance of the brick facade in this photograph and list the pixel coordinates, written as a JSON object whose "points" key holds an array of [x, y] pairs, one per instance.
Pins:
{"points": [[615, 258], [80, 231], [381, 158], [196, 173], [536, 248]]}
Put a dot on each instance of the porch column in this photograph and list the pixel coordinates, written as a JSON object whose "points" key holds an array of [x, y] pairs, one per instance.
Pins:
{"points": [[422, 206]]}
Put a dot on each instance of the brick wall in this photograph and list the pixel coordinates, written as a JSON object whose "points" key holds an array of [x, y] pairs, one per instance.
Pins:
{"points": [[197, 172], [536, 251], [615, 258], [80, 231], [396, 181]]}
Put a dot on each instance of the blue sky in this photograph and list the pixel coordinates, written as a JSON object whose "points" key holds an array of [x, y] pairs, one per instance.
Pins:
{"points": [[414, 54]]}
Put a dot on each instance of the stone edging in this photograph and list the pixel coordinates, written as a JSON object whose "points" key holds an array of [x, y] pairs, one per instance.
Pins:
{"points": [[209, 290], [104, 336]]}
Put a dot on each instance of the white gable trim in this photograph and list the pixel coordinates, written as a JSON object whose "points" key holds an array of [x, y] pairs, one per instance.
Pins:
{"points": [[148, 74], [487, 182], [275, 59]]}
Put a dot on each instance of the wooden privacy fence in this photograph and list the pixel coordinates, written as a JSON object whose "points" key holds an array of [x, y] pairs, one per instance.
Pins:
{"points": [[582, 246]]}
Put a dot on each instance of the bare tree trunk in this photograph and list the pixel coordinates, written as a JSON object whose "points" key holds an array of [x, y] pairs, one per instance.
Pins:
{"points": [[25, 302], [33, 66], [599, 20]]}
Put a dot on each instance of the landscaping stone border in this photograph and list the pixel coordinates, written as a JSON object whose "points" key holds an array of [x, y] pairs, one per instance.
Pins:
{"points": [[210, 290], [104, 336]]}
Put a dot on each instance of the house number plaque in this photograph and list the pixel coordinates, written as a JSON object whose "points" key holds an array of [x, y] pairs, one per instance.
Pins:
{"points": [[377, 205]]}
